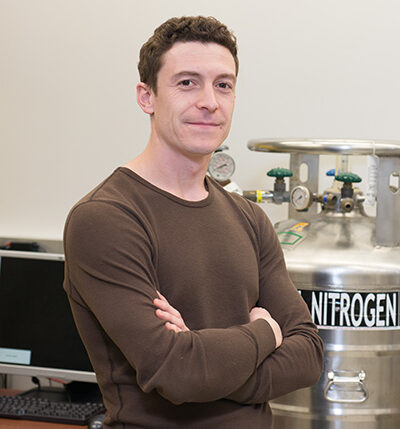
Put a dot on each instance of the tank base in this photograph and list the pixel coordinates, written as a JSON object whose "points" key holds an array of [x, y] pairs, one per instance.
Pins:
{"points": [[302, 421]]}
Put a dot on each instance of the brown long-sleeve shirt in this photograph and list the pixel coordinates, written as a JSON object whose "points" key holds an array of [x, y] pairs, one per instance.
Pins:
{"points": [[213, 260]]}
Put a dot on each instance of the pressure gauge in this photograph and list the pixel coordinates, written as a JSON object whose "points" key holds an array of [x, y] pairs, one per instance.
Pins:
{"points": [[300, 197], [221, 166]]}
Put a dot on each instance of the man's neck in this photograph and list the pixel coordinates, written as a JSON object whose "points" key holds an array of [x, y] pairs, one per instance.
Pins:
{"points": [[180, 175]]}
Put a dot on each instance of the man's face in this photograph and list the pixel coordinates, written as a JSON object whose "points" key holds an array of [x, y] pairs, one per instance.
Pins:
{"points": [[193, 108]]}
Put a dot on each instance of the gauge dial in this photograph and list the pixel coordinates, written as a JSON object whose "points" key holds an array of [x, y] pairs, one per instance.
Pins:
{"points": [[221, 166], [300, 197]]}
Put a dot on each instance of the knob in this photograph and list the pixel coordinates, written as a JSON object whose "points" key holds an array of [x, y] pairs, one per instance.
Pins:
{"points": [[331, 172], [348, 178], [279, 173]]}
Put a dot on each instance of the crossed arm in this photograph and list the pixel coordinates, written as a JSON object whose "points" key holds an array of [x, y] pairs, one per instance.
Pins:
{"points": [[269, 380], [174, 321]]}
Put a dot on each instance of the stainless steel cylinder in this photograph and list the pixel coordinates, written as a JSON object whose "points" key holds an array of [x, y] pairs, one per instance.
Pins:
{"points": [[352, 288]]}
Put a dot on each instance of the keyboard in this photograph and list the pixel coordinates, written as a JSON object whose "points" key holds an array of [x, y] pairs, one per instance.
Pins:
{"points": [[29, 408]]}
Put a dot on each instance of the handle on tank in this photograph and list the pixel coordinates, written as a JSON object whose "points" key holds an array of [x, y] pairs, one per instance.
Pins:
{"points": [[340, 380], [327, 146]]}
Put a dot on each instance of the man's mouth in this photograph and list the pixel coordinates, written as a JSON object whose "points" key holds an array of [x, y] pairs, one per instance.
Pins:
{"points": [[204, 124]]}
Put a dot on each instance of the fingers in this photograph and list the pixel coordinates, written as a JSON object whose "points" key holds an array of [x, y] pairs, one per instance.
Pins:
{"points": [[258, 313], [172, 317], [164, 305], [172, 327], [162, 297], [262, 313]]}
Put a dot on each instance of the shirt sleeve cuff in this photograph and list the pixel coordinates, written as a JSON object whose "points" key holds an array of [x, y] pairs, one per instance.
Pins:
{"points": [[263, 336]]}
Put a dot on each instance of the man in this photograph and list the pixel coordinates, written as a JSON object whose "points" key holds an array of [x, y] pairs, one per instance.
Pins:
{"points": [[178, 288]]}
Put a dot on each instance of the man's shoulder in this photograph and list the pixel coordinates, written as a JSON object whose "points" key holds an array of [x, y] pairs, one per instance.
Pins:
{"points": [[111, 209], [110, 195], [108, 189]]}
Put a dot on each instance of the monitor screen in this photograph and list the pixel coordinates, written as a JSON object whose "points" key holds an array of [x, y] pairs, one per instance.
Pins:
{"points": [[38, 336]]}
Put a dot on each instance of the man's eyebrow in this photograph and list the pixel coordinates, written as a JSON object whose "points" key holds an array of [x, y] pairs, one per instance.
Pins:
{"points": [[185, 74], [227, 76], [188, 73]]}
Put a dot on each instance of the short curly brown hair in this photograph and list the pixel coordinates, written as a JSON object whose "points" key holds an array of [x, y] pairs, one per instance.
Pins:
{"points": [[183, 29]]}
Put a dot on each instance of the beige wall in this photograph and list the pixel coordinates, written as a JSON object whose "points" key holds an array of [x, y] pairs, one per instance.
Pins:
{"points": [[68, 116]]}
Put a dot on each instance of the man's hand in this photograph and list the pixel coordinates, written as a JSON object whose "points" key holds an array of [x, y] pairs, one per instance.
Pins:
{"points": [[173, 318], [262, 313]]}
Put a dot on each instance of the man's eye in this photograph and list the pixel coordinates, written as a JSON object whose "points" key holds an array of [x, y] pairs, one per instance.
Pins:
{"points": [[224, 85], [186, 82]]}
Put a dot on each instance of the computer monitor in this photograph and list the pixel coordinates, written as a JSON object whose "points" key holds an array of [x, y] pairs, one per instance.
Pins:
{"points": [[38, 336]]}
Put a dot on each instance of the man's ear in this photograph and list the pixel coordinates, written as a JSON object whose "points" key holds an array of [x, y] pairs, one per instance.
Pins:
{"points": [[144, 97]]}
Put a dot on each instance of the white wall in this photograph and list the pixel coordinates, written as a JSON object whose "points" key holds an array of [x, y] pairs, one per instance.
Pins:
{"points": [[68, 116]]}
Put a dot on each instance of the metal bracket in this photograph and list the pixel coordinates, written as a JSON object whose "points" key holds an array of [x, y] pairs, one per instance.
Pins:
{"points": [[312, 162], [388, 204]]}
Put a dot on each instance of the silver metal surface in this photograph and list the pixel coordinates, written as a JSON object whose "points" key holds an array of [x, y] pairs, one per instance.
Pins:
{"points": [[312, 162], [360, 383], [346, 387], [388, 204], [308, 150], [338, 252], [327, 146], [370, 396], [347, 268]]}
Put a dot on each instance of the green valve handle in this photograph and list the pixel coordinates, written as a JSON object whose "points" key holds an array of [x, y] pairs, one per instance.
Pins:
{"points": [[348, 178], [279, 173]]}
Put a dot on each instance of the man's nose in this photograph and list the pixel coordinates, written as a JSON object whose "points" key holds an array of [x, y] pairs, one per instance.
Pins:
{"points": [[208, 98]]}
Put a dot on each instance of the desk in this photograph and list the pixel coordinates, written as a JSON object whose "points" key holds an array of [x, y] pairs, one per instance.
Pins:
{"points": [[29, 424]]}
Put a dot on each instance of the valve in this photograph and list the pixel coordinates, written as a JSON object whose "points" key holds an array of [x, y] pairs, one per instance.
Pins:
{"points": [[280, 174], [347, 191], [279, 194]]}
